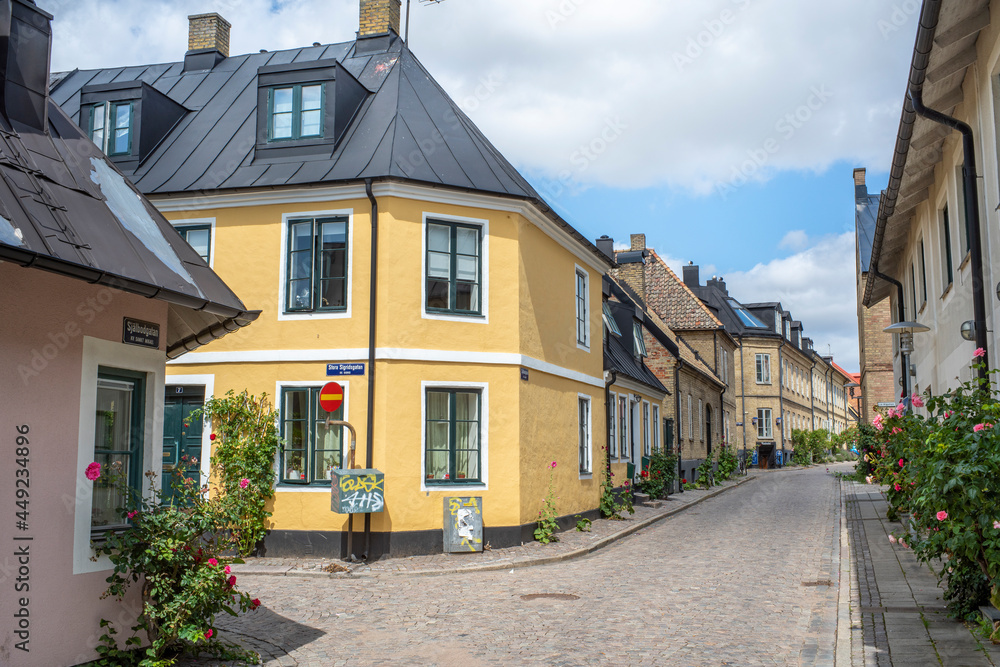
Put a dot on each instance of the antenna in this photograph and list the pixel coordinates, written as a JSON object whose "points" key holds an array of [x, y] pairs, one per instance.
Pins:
{"points": [[406, 35]]}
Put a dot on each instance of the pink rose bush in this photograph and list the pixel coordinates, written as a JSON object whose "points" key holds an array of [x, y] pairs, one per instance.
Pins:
{"points": [[942, 467], [93, 471]]}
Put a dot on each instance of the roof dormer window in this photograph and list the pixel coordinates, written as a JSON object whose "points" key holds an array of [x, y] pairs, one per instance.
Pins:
{"points": [[111, 127], [304, 108], [640, 345], [295, 112]]}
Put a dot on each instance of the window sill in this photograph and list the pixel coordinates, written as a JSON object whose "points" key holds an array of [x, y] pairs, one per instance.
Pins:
{"points": [[586, 475], [947, 290], [965, 260]]}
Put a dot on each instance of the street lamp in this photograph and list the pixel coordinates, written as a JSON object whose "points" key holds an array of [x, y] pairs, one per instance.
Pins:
{"points": [[906, 331]]}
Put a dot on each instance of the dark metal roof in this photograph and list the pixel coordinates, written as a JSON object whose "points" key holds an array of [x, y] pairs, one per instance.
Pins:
{"points": [[407, 128], [65, 208], [617, 358], [866, 212]]}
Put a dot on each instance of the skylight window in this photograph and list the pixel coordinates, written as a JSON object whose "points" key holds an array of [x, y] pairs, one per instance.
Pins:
{"points": [[609, 320], [745, 316]]}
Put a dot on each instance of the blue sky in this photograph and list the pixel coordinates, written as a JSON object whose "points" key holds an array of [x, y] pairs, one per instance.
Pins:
{"points": [[725, 130]]}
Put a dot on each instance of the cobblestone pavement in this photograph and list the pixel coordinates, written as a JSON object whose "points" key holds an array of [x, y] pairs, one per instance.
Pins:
{"points": [[749, 577], [898, 614]]}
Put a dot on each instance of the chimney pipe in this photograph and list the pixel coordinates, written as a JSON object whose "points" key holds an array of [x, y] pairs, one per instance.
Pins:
{"points": [[607, 246], [25, 42], [691, 278]]}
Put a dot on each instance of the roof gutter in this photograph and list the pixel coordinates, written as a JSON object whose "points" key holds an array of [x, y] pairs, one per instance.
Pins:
{"points": [[887, 202]]}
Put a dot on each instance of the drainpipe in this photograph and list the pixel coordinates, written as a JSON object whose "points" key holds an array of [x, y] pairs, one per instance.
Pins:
{"points": [[372, 302], [607, 422], [781, 398], [743, 399], [901, 314], [971, 191], [677, 412]]}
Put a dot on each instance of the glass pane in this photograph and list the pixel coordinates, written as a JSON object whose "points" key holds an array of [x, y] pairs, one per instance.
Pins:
{"points": [[294, 463], [107, 499], [332, 293], [282, 126], [310, 124], [438, 265], [121, 141], [437, 465], [97, 117], [98, 138], [301, 265], [325, 462], [123, 116], [438, 238], [282, 100], [301, 231], [467, 241], [300, 294], [311, 97], [296, 408], [467, 406], [467, 465], [466, 297], [467, 268], [437, 406], [437, 294], [198, 239], [467, 435], [334, 234]]}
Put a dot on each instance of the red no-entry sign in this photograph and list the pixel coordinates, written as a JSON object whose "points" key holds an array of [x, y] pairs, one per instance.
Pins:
{"points": [[331, 396]]}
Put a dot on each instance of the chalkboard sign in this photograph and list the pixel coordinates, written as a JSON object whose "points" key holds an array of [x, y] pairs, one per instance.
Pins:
{"points": [[357, 491]]}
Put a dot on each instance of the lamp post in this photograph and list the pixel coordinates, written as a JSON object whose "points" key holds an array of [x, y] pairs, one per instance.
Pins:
{"points": [[906, 331]]}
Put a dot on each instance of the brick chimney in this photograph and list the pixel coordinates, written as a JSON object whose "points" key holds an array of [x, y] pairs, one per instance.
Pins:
{"points": [[638, 241], [378, 17], [859, 176], [208, 31]]}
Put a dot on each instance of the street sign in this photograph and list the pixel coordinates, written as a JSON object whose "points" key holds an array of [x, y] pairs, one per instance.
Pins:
{"points": [[357, 368], [886, 404], [331, 396]]}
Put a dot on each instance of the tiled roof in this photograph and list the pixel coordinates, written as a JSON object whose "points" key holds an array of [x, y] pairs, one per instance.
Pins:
{"points": [[673, 301]]}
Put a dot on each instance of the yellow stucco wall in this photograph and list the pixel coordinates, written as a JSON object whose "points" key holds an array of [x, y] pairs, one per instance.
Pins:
{"points": [[529, 293]]}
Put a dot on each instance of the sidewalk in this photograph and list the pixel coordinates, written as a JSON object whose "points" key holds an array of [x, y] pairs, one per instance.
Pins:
{"points": [[571, 544], [898, 614]]}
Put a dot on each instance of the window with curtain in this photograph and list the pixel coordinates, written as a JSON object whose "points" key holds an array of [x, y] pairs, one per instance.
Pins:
{"points": [[453, 436]]}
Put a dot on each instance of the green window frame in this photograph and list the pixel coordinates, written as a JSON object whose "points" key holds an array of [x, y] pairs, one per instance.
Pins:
{"points": [[310, 449], [623, 423], [119, 441], [198, 237], [453, 274], [296, 112], [452, 436], [110, 127], [949, 273], [316, 265]]}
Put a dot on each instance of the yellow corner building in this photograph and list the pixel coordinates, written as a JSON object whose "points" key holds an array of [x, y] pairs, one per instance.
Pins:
{"points": [[390, 248]]}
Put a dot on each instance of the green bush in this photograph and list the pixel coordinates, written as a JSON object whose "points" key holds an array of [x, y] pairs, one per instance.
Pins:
{"points": [[245, 435], [705, 473], [728, 463]]}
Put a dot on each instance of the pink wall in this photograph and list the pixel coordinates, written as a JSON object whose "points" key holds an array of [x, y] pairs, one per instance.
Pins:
{"points": [[43, 320]]}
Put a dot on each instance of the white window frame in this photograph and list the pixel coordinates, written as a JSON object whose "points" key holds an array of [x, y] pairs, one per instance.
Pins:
{"points": [[283, 260], [586, 448], [762, 367], [701, 420], [484, 258], [646, 436], [613, 426], [623, 421], [200, 222], [484, 435], [764, 426], [581, 272], [690, 420], [98, 352], [656, 427]]}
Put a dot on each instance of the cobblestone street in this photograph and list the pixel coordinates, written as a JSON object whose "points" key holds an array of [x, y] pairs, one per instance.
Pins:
{"points": [[746, 578]]}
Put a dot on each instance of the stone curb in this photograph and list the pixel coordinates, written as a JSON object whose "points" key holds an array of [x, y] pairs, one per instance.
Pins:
{"points": [[288, 571]]}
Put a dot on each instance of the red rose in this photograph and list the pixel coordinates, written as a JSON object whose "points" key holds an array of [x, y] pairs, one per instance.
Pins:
{"points": [[254, 603]]}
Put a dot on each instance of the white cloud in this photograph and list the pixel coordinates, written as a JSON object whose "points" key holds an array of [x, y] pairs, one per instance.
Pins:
{"points": [[817, 286], [796, 239], [689, 95]]}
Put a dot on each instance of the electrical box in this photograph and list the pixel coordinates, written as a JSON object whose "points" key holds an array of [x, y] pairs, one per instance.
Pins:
{"points": [[463, 524], [357, 491]]}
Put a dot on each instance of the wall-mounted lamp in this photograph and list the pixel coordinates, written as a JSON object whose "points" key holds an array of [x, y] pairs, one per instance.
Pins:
{"points": [[754, 420], [778, 420], [969, 329]]}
